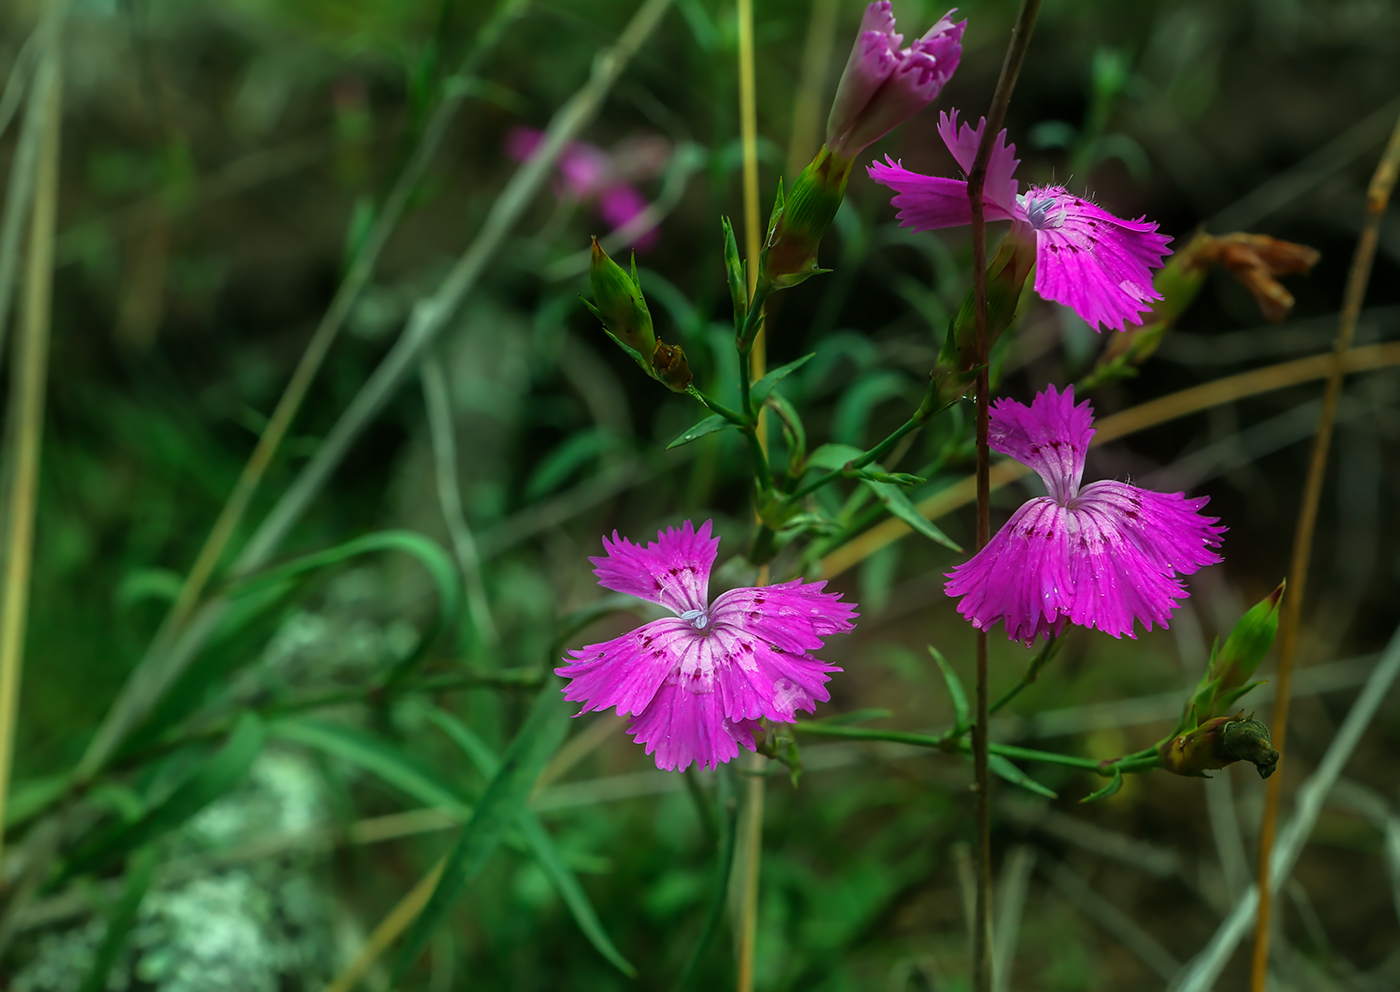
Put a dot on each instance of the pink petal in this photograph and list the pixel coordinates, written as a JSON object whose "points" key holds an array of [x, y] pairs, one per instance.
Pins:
{"points": [[620, 205], [521, 142], [763, 680], [674, 571], [1109, 559], [927, 203], [872, 60], [1051, 435], [1098, 265], [794, 615], [586, 169], [681, 727], [962, 140], [627, 671], [1021, 577]]}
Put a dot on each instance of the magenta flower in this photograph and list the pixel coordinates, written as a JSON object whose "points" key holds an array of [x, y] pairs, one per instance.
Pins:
{"points": [[699, 682], [1096, 264], [884, 85], [589, 174], [1099, 556]]}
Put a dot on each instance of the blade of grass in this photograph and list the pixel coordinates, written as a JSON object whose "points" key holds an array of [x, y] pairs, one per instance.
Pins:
{"points": [[155, 673], [140, 870], [25, 419], [1377, 198], [540, 843], [444, 438], [500, 806], [404, 913]]}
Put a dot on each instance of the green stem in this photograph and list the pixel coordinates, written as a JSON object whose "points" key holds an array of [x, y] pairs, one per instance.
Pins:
{"points": [[1052, 646], [1139, 761]]}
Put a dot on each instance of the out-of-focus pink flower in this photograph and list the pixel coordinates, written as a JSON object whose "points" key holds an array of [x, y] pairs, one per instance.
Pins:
{"points": [[1104, 555], [590, 174], [884, 85], [1096, 264], [699, 682]]}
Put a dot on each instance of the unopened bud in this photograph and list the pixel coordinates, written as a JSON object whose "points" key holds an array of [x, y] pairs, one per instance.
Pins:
{"points": [[1217, 743], [801, 218], [669, 363], [618, 302]]}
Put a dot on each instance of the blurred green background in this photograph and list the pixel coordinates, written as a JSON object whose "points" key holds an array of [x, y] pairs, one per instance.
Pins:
{"points": [[221, 165]]}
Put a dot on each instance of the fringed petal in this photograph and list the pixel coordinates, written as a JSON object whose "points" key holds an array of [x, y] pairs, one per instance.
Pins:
{"points": [[1051, 435], [674, 571]]}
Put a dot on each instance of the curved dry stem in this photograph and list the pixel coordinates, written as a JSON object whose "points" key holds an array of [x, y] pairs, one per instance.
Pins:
{"points": [[1119, 425], [1377, 198]]}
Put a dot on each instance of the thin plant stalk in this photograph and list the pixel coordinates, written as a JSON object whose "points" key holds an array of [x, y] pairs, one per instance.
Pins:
{"points": [[437, 401], [159, 668], [1377, 198], [25, 420], [389, 930], [976, 183], [21, 185], [1218, 392], [751, 829]]}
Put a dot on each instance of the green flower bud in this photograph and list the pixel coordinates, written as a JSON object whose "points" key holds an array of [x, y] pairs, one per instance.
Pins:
{"points": [[1248, 643], [800, 220], [619, 304], [1219, 742]]}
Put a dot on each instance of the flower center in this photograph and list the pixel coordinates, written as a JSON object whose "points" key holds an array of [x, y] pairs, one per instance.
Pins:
{"points": [[1040, 210], [698, 619]]}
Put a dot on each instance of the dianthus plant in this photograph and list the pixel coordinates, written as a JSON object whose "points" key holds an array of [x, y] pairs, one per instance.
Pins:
{"points": [[719, 670]]}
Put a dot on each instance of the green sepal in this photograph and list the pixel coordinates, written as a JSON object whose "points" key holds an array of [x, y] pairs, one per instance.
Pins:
{"points": [[1227, 702], [734, 272], [1111, 789]]}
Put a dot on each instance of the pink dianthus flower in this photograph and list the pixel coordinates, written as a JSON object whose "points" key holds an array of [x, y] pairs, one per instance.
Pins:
{"points": [[699, 682], [1096, 264], [1100, 556]]}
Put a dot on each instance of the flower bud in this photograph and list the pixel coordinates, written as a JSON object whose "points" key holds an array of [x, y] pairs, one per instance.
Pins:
{"points": [[1247, 644], [1217, 743], [619, 304], [670, 366], [883, 85], [800, 220]]}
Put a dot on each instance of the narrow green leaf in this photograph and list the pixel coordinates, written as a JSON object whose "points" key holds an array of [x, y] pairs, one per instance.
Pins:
{"points": [[141, 868], [1114, 784], [32, 796], [537, 838], [955, 690], [709, 425], [500, 806], [439, 565], [764, 386], [401, 770], [793, 431], [224, 769], [899, 504], [567, 459], [1005, 769]]}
